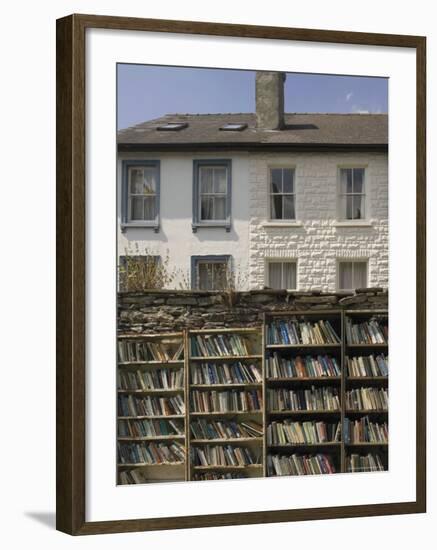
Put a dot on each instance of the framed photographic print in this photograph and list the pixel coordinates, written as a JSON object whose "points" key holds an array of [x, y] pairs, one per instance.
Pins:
{"points": [[240, 219]]}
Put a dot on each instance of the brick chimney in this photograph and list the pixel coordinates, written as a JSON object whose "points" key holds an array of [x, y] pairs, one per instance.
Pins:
{"points": [[269, 95]]}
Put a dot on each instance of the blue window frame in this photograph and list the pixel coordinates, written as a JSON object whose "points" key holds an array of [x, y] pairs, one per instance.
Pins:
{"points": [[212, 191], [140, 194], [210, 272]]}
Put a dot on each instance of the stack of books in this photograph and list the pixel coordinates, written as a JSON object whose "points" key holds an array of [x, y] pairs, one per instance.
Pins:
{"points": [[235, 373], [224, 429], [364, 463], [368, 332], [222, 455], [150, 428], [226, 401], [130, 405], [291, 331], [209, 476], [299, 465], [298, 433], [302, 367], [151, 453], [132, 351], [367, 366], [314, 399], [364, 431], [132, 477], [159, 379], [367, 399], [219, 345]]}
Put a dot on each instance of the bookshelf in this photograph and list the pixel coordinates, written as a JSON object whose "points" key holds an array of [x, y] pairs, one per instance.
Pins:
{"points": [[248, 402], [151, 405], [363, 373]]}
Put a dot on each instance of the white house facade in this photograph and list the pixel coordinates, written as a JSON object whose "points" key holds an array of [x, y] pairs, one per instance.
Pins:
{"points": [[285, 201]]}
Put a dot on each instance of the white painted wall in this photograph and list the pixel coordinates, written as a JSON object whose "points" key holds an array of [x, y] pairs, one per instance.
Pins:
{"points": [[316, 241], [175, 236]]}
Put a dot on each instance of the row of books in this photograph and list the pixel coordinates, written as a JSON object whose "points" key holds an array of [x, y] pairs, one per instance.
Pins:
{"points": [[225, 401], [364, 463], [367, 366], [222, 455], [132, 477], [365, 431], [299, 465], [150, 428], [302, 367], [151, 453], [156, 379], [131, 405], [210, 476], [235, 373], [292, 332], [368, 332], [224, 429], [211, 345], [367, 399], [299, 433], [314, 399], [132, 351]]}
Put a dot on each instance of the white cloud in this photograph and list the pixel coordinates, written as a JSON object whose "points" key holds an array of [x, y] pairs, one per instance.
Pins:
{"points": [[349, 96]]}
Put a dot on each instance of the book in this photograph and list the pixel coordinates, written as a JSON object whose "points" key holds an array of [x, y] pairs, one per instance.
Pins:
{"points": [[314, 399], [296, 464], [365, 431], [367, 366], [151, 453], [131, 351], [374, 331], [209, 476], [163, 379], [223, 455], [293, 332], [364, 463], [226, 401], [224, 429], [150, 428], [302, 367], [131, 405], [367, 399], [219, 345], [132, 477], [233, 373], [288, 432]]}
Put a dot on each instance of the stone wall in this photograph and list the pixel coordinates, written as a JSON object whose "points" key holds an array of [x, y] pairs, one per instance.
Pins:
{"points": [[318, 240], [169, 311]]}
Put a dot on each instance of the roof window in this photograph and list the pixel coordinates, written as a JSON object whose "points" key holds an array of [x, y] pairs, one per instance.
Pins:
{"points": [[173, 126], [233, 127]]}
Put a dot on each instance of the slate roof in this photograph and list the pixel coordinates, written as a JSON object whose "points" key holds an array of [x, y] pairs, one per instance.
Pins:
{"points": [[307, 130]]}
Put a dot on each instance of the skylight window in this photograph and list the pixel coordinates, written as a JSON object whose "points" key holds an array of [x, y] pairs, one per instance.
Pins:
{"points": [[173, 126], [233, 127]]}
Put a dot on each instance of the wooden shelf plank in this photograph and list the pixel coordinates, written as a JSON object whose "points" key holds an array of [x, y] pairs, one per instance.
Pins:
{"points": [[359, 346], [365, 411], [337, 411], [226, 441], [151, 438], [366, 378], [305, 379], [225, 357], [219, 467], [228, 413], [153, 392], [144, 465], [225, 386], [366, 444], [301, 346], [170, 363], [156, 416], [294, 445]]}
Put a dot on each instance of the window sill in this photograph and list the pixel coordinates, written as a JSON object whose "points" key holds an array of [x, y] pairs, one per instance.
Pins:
{"points": [[223, 225], [125, 226], [281, 224], [354, 223]]}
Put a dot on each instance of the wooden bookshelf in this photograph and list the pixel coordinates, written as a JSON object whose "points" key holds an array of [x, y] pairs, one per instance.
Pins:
{"points": [[258, 351]]}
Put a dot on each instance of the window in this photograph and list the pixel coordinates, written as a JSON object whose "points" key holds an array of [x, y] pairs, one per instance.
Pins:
{"points": [[352, 194], [233, 127], [352, 275], [137, 273], [282, 275], [212, 194], [141, 193], [173, 126], [210, 272], [282, 194]]}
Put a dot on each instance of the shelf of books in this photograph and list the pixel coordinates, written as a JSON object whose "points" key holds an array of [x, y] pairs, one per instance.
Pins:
{"points": [[366, 391], [151, 401], [225, 416], [303, 363]]}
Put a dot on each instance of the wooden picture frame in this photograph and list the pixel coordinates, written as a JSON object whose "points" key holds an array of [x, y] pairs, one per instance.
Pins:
{"points": [[71, 247]]}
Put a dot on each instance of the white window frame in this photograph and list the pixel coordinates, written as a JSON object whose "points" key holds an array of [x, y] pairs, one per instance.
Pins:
{"points": [[351, 261], [280, 221], [269, 261], [341, 216]]}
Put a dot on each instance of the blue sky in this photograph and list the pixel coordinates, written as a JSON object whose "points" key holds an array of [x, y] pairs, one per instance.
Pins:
{"points": [[146, 92]]}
